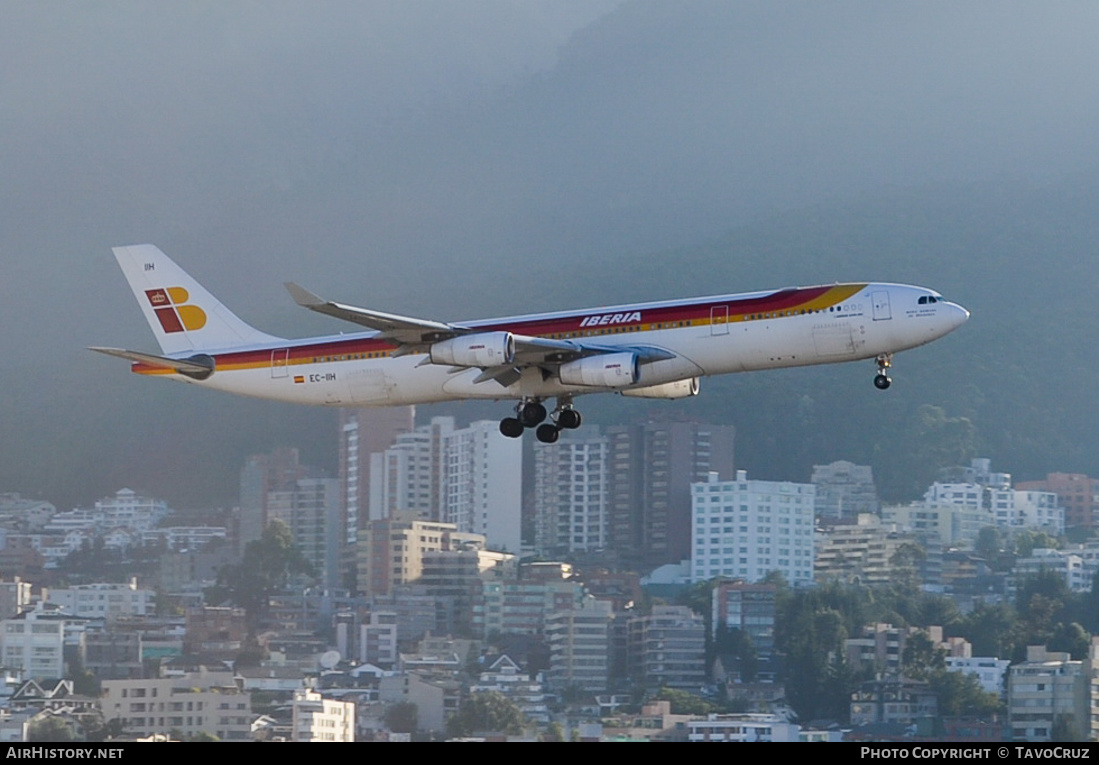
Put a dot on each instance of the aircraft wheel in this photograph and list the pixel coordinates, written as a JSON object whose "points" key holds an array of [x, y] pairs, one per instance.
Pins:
{"points": [[511, 427], [881, 382], [569, 419], [532, 413], [547, 434]]}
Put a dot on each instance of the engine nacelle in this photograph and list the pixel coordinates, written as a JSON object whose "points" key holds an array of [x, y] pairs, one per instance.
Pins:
{"points": [[677, 389], [609, 370], [485, 349]]}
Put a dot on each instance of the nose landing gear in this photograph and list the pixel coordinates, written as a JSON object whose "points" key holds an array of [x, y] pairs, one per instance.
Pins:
{"points": [[882, 379]]}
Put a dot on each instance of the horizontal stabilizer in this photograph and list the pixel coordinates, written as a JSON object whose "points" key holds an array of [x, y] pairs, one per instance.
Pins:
{"points": [[198, 367]]}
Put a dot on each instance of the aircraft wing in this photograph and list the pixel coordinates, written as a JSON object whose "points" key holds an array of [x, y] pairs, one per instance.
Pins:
{"points": [[402, 329], [541, 350], [416, 336]]}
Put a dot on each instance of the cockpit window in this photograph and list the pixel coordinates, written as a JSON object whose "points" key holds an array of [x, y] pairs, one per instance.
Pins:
{"points": [[925, 299]]}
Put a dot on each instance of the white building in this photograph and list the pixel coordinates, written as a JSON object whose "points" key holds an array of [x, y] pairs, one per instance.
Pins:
{"points": [[406, 477], [742, 727], [989, 671], [748, 529], [185, 538], [126, 508], [471, 477], [104, 600], [319, 719], [947, 524], [977, 487], [1069, 565], [507, 678], [570, 493], [484, 484], [34, 642]]}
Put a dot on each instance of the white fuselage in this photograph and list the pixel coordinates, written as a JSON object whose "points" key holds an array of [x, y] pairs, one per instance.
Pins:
{"points": [[702, 337]]}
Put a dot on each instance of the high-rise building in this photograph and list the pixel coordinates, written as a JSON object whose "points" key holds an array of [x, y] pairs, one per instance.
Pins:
{"points": [[392, 550], [484, 484], [667, 648], [570, 493], [363, 433], [651, 469], [470, 477], [747, 607], [311, 509], [407, 478], [263, 474], [580, 646], [748, 529]]}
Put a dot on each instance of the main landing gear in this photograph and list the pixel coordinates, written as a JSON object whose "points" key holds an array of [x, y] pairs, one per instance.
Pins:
{"points": [[881, 380], [530, 413]]}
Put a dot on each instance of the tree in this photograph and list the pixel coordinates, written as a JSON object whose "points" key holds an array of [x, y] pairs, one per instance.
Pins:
{"points": [[991, 630], [1029, 540], [990, 545], [812, 638], [921, 658], [402, 717], [553, 732], [684, 703], [265, 568], [1065, 730], [489, 712], [50, 728], [904, 565], [731, 641], [929, 442], [1071, 638], [961, 695]]}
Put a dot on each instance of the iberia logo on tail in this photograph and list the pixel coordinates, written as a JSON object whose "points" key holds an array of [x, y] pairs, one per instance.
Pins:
{"points": [[171, 309]]}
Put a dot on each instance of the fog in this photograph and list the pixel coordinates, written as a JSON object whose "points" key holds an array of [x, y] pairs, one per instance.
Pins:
{"points": [[432, 158]]}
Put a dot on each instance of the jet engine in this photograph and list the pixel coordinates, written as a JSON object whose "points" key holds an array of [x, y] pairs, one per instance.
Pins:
{"points": [[611, 370], [677, 389], [485, 349]]}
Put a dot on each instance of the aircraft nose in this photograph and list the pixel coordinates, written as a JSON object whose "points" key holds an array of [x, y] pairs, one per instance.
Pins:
{"points": [[956, 317]]}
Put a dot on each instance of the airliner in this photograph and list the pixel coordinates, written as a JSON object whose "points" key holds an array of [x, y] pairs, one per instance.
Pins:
{"points": [[656, 350]]}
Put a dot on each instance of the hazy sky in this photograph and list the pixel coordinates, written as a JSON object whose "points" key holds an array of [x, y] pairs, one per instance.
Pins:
{"points": [[422, 157]]}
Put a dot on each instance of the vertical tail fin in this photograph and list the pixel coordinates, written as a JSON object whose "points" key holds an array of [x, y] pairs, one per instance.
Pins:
{"points": [[184, 317]]}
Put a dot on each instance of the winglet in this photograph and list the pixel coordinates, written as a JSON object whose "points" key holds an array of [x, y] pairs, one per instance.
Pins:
{"points": [[302, 296]]}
